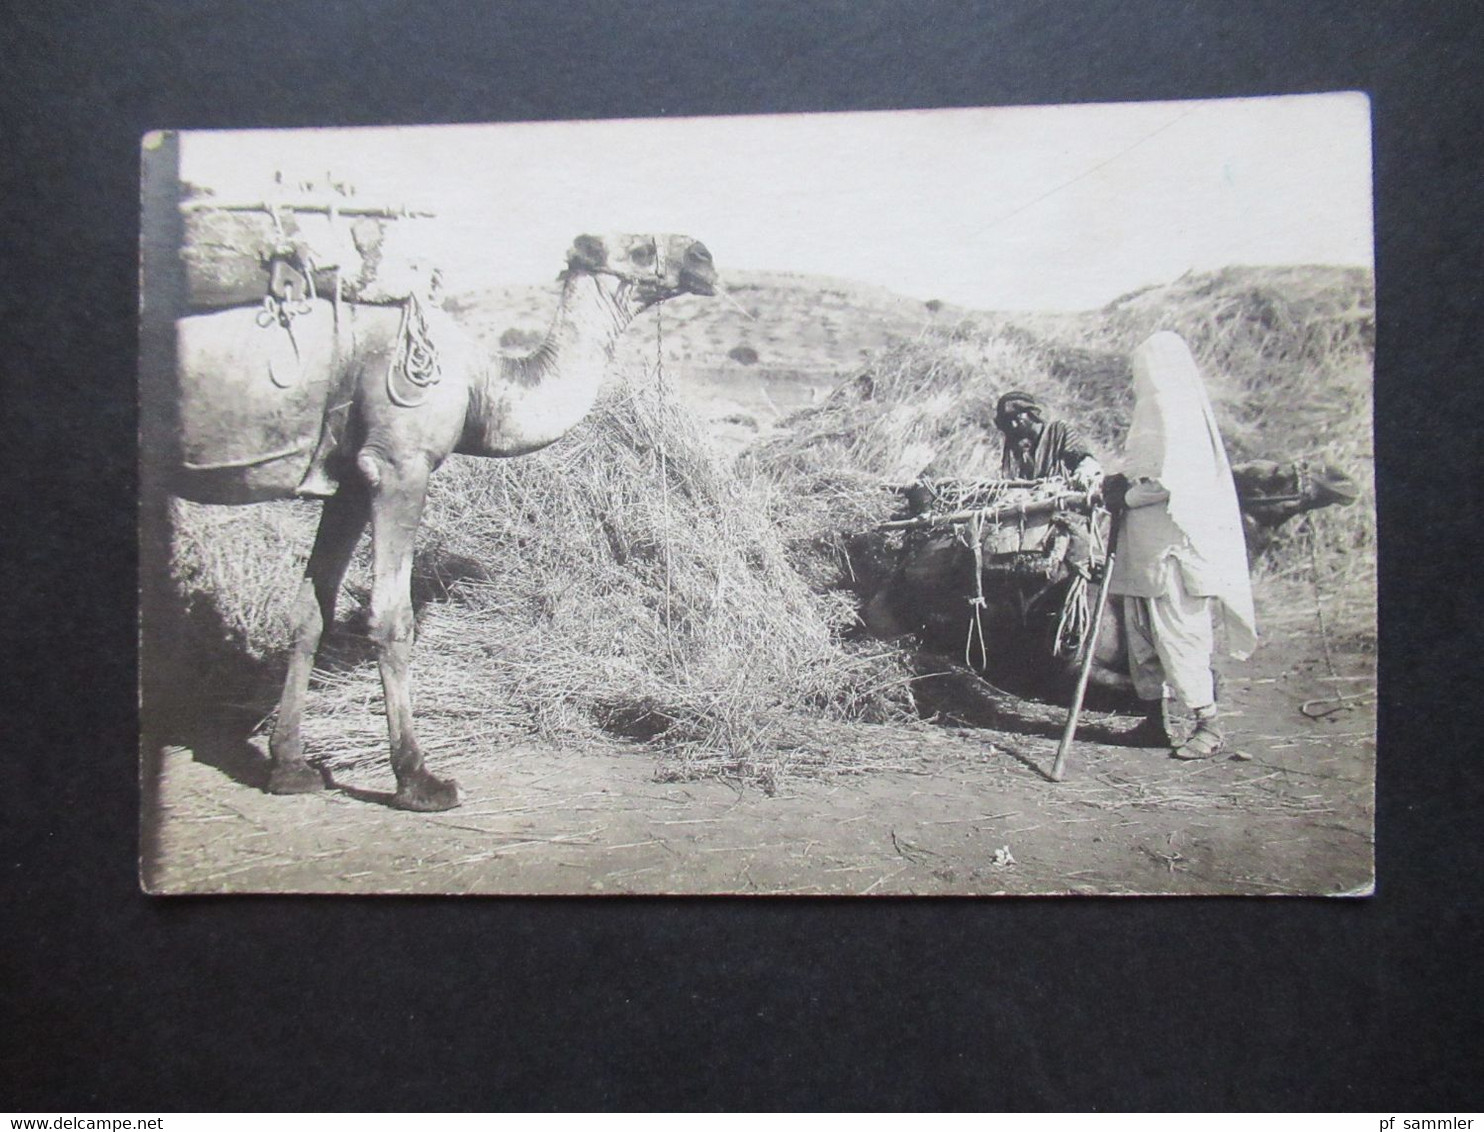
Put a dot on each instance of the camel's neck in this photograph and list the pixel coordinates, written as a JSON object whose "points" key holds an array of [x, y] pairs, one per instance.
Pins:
{"points": [[523, 404]]}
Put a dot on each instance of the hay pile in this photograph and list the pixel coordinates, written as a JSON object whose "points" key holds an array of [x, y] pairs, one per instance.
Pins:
{"points": [[1287, 354], [924, 406], [619, 582], [927, 403], [1273, 320]]}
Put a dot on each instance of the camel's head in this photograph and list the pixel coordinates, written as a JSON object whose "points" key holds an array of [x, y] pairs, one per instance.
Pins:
{"points": [[1327, 486], [1271, 493], [655, 268]]}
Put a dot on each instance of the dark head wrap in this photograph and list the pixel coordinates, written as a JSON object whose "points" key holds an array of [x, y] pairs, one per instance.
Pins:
{"points": [[1017, 402]]}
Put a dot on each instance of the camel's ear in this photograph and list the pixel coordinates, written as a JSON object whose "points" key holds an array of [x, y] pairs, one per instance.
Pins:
{"points": [[587, 253]]}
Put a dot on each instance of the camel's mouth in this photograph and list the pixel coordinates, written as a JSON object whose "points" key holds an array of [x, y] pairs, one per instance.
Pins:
{"points": [[1342, 494], [697, 283], [697, 271], [1336, 487]]}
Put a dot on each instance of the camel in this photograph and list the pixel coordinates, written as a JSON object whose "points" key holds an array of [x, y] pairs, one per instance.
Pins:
{"points": [[360, 405], [1270, 494], [922, 592]]}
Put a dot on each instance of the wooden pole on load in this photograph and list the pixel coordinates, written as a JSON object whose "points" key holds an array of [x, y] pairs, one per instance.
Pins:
{"points": [[967, 485], [208, 204], [993, 514]]}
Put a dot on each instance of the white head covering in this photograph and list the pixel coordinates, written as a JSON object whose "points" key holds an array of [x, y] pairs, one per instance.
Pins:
{"points": [[1174, 439]]}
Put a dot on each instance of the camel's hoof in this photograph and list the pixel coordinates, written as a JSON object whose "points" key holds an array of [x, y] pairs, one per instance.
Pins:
{"points": [[295, 778], [427, 794]]}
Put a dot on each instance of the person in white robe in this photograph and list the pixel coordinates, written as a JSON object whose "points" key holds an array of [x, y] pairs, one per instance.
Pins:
{"points": [[1180, 563]]}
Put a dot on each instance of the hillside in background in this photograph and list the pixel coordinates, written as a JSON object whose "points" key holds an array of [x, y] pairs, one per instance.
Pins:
{"points": [[801, 327], [776, 342], [1286, 350], [1287, 355]]}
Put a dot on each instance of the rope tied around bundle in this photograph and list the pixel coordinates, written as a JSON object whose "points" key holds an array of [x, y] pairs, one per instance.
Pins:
{"points": [[1072, 628], [290, 290], [289, 294]]}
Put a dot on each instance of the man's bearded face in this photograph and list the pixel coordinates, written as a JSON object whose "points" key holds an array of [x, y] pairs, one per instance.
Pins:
{"points": [[1022, 429]]}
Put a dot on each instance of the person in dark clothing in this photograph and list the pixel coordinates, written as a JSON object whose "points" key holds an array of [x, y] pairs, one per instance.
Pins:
{"points": [[1035, 448]]}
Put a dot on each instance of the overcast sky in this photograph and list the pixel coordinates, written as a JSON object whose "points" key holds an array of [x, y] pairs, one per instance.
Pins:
{"points": [[1025, 208]]}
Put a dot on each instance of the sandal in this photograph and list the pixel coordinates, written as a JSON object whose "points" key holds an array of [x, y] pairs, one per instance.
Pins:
{"points": [[1205, 742]]}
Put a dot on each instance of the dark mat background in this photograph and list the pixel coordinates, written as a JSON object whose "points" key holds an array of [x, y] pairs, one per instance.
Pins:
{"points": [[114, 1001]]}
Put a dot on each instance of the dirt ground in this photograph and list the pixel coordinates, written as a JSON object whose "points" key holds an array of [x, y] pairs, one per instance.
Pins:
{"points": [[966, 810]]}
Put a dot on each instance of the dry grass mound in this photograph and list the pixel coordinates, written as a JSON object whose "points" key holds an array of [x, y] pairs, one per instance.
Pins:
{"points": [[624, 582], [926, 403], [924, 406], [1241, 318], [1287, 354], [620, 582]]}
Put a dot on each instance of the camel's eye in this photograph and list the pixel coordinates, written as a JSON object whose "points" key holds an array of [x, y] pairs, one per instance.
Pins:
{"points": [[642, 255]]}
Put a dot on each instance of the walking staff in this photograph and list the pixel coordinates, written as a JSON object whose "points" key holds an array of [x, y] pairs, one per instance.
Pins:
{"points": [[1089, 652]]}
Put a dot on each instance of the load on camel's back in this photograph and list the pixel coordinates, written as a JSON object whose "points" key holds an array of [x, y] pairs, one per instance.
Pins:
{"points": [[278, 291], [995, 575], [237, 252]]}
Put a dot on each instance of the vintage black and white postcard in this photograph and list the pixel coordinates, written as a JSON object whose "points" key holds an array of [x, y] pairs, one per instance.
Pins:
{"points": [[919, 502]]}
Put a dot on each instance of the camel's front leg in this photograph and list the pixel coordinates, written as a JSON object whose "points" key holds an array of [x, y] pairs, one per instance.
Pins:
{"points": [[341, 522], [397, 496]]}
